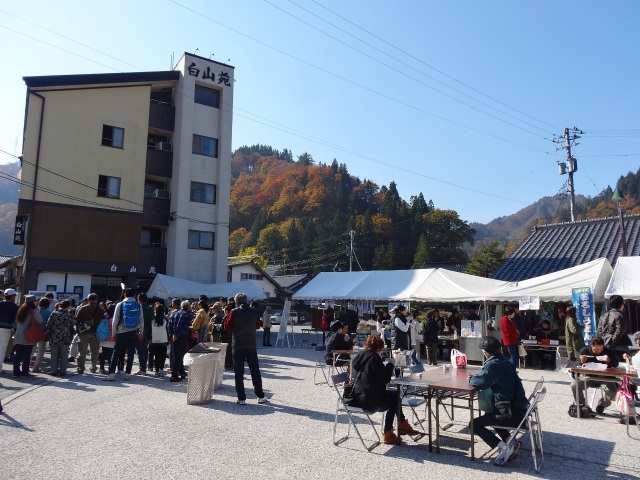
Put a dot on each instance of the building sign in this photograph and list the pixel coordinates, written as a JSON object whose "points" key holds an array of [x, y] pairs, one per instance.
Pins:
{"points": [[18, 232], [585, 311], [220, 78]]}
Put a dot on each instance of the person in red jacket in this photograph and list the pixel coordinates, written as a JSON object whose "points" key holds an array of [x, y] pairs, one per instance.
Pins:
{"points": [[510, 335]]}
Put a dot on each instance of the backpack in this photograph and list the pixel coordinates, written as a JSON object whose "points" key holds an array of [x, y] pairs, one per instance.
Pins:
{"points": [[103, 331], [585, 411], [129, 315]]}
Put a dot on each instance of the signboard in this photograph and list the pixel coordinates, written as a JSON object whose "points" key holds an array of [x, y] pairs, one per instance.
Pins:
{"points": [[585, 311], [529, 303], [18, 231]]}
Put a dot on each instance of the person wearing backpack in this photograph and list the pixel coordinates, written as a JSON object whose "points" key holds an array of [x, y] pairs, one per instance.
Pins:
{"points": [[128, 322]]}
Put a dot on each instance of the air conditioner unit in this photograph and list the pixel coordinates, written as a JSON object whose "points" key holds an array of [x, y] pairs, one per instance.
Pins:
{"points": [[161, 193], [164, 146]]}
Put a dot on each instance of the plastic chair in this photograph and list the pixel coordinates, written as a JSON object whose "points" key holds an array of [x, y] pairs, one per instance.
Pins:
{"points": [[342, 407]]}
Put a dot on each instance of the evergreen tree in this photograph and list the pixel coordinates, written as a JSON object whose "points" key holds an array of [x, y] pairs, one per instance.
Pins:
{"points": [[305, 159], [259, 223], [422, 253], [486, 260]]}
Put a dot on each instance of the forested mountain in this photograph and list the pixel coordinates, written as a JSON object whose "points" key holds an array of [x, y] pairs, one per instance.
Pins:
{"points": [[300, 214], [8, 208]]}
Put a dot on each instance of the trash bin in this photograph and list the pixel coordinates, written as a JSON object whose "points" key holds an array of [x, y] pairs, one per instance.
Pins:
{"points": [[219, 369], [202, 370]]}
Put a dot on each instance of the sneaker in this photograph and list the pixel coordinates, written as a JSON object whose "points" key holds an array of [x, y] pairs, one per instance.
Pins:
{"points": [[504, 455], [80, 372], [110, 378], [599, 409], [175, 379], [103, 372], [262, 400], [141, 372], [127, 376], [94, 369], [241, 402], [516, 449]]}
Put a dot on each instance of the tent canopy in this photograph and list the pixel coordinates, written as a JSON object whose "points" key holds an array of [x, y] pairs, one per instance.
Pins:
{"points": [[164, 286], [625, 280], [446, 286]]}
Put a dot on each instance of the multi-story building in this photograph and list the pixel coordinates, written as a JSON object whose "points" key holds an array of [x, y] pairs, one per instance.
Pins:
{"points": [[127, 175]]}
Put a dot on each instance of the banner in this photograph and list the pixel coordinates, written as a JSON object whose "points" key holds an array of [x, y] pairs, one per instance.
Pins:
{"points": [[585, 309], [529, 303]]}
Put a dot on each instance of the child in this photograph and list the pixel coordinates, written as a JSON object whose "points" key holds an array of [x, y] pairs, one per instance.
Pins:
{"points": [[106, 346]]}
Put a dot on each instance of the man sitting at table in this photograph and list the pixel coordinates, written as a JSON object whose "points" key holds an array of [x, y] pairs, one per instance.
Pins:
{"points": [[596, 352], [338, 339], [500, 376]]}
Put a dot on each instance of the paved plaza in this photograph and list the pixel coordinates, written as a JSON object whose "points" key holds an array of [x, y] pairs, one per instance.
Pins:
{"points": [[83, 427]]}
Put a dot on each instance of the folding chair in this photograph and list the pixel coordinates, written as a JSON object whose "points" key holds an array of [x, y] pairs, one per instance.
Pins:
{"points": [[342, 407], [413, 398], [531, 422], [320, 364]]}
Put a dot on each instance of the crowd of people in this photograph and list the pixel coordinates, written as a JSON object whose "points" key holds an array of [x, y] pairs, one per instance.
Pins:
{"points": [[112, 334]]}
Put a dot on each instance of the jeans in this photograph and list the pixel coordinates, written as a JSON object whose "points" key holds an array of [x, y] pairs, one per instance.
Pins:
{"points": [[514, 355], [251, 356], [88, 340], [159, 353], [391, 407], [59, 358], [125, 341], [180, 347], [5, 336], [143, 353], [21, 354], [481, 423]]}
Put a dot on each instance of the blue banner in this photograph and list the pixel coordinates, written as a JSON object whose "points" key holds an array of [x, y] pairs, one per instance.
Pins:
{"points": [[586, 312]]}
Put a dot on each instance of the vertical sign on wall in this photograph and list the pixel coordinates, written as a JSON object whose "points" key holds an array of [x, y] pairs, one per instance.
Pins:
{"points": [[18, 231], [585, 309]]}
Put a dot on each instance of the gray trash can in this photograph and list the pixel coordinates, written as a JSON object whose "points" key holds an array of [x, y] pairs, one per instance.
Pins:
{"points": [[202, 371]]}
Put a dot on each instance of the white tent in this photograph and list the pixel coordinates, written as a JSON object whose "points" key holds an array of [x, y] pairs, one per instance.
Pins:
{"points": [[164, 286], [555, 287], [625, 280], [447, 286]]}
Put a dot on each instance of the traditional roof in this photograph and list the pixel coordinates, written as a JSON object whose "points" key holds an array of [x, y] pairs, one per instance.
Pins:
{"points": [[554, 247], [292, 282]]}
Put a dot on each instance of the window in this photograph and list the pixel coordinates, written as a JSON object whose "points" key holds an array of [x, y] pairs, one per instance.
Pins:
{"points": [[78, 290], [150, 187], [251, 276], [112, 136], [203, 192], [52, 288], [108, 186], [151, 237], [205, 146], [207, 96], [201, 240]]}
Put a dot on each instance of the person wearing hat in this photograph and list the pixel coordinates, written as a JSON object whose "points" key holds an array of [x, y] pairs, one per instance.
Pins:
{"points": [[266, 326], [8, 311], [27, 314], [338, 339], [500, 377]]}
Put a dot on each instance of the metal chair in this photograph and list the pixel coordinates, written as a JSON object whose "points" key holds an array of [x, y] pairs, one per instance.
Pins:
{"points": [[320, 364], [413, 398], [343, 407], [531, 422]]}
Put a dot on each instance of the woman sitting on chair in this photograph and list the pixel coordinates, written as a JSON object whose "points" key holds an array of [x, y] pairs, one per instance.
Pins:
{"points": [[370, 389]]}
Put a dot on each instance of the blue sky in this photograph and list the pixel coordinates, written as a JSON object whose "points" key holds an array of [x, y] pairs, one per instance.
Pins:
{"points": [[457, 100]]}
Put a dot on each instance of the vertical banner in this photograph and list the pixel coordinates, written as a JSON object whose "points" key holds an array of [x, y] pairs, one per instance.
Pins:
{"points": [[586, 313], [19, 228]]}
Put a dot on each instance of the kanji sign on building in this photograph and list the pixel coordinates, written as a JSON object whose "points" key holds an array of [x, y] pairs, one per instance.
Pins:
{"points": [[18, 231]]}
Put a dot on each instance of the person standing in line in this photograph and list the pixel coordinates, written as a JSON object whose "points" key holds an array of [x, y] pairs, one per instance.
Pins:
{"points": [[128, 322], [573, 334], [43, 306], [88, 317], [266, 326], [27, 314], [614, 327], [227, 337], [107, 345], [159, 339], [201, 322], [430, 331], [60, 328], [242, 322], [510, 336], [179, 331], [142, 345], [8, 312]]}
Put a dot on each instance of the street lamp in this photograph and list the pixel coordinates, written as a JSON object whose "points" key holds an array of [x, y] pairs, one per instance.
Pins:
{"points": [[617, 196]]}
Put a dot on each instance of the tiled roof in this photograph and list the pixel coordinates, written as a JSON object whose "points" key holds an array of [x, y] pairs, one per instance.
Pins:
{"points": [[554, 247], [287, 281]]}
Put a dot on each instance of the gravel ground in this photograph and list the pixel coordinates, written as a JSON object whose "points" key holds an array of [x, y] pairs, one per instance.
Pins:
{"points": [[82, 427]]}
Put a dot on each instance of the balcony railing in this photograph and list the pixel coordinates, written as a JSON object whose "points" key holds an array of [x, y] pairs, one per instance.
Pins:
{"points": [[162, 116], [159, 163]]}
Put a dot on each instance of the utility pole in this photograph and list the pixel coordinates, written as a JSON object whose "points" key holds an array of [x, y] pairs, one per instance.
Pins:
{"points": [[571, 166], [351, 234]]}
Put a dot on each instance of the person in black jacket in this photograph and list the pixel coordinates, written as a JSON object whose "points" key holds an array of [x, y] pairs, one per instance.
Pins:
{"points": [[430, 338], [402, 328], [370, 389], [338, 339]]}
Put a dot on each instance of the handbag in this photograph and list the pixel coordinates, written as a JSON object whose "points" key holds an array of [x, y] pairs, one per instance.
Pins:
{"points": [[348, 392], [624, 398], [35, 333], [458, 359], [485, 400]]}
